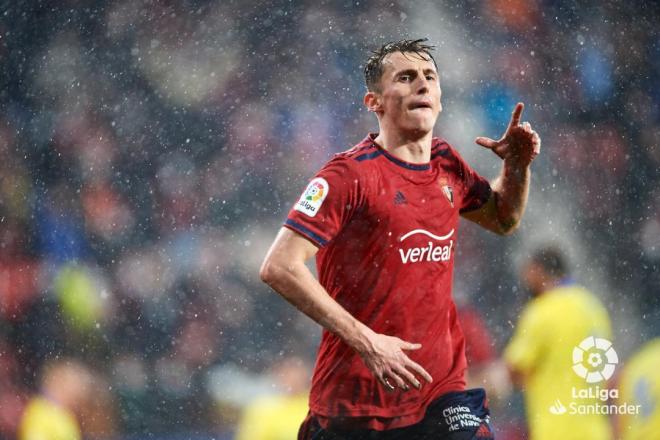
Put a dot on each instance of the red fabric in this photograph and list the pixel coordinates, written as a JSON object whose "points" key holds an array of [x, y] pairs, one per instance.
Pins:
{"points": [[395, 282], [478, 341], [18, 287]]}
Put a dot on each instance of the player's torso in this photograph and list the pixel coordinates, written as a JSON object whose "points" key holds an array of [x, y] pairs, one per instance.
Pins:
{"points": [[390, 267], [398, 250]]}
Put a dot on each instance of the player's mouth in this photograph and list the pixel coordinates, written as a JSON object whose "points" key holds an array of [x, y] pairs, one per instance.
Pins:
{"points": [[420, 105]]}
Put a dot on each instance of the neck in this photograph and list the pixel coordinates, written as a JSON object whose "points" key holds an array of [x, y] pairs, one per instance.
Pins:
{"points": [[52, 397], [409, 148], [547, 285]]}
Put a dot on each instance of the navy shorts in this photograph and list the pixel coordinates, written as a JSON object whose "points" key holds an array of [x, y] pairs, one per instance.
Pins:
{"points": [[461, 415]]}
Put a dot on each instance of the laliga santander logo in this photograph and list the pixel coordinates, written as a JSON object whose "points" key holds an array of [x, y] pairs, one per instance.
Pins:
{"points": [[594, 359], [314, 192]]}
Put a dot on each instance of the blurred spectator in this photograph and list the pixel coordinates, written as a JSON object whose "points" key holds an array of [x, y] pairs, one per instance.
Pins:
{"points": [[59, 226], [19, 272], [519, 15], [84, 298], [12, 392], [98, 418], [55, 412]]}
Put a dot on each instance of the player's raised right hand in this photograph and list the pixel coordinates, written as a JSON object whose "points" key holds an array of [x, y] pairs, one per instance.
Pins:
{"points": [[384, 356], [519, 145]]}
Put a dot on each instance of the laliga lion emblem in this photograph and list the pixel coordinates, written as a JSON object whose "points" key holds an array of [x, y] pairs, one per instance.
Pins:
{"points": [[594, 359]]}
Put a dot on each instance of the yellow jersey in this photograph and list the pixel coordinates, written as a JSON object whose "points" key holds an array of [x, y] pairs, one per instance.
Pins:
{"points": [[550, 327], [45, 420], [273, 418], [639, 384]]}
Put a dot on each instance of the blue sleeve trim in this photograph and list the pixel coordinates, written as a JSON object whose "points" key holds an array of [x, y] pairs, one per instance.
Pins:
{"points": [[317, 239]]}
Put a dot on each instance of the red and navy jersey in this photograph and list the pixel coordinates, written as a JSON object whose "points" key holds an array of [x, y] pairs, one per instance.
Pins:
{"points": [[386, 231]]}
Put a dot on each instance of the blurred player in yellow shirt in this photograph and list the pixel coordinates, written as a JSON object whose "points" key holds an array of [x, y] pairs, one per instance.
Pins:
{"points": [[46, 420], [560, 316], [51, 415], [278, 417], [639, 384]]}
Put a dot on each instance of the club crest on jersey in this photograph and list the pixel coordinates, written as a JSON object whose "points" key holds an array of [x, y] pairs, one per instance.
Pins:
{"points": [[312, 198], [447, 191]]}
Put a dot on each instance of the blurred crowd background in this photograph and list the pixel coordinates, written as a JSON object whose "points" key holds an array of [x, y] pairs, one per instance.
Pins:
{"points": [[150, 150]]}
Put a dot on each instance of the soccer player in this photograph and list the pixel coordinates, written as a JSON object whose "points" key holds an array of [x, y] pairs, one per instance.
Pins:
{"points": [[277, 417], [560, 315], [382, 220], [640, 385]]}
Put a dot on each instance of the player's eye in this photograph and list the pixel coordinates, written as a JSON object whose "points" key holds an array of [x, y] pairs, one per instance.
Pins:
{"points": [[430, 77], [405, 78]]}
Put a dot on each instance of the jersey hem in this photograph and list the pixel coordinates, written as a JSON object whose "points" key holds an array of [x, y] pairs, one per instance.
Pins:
{"points": [[379, 420]]}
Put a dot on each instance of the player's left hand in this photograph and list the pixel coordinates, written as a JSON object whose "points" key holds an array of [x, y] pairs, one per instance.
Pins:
{"points": [[519, 145]]}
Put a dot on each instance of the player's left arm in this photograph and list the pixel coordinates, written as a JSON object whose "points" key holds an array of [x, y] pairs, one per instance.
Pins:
{"points": [[517, 149]]}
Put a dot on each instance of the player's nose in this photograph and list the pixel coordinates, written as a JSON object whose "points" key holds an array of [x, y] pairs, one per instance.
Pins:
{"points": [[422, 85]]}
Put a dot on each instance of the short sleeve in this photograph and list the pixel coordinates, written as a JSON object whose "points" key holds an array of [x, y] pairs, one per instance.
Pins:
{"points": [[527, 344], [327, 203], [476, 189]]}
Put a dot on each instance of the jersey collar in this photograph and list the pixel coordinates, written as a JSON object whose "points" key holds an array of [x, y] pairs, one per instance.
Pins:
{"points": [[380, 151]]}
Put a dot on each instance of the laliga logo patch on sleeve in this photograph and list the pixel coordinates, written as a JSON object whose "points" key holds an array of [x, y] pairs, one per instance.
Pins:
{"points": [[313, 197]]}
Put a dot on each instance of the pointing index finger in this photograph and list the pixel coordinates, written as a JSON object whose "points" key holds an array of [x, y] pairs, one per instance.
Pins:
{"points": [[515, 116]]}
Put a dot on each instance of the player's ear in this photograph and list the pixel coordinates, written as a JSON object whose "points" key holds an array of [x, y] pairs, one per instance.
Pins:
{"points": [[372, 101]]}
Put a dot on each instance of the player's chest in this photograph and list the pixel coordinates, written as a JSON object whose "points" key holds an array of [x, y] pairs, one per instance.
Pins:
{"points": [[399, 205], [416, 223]]}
